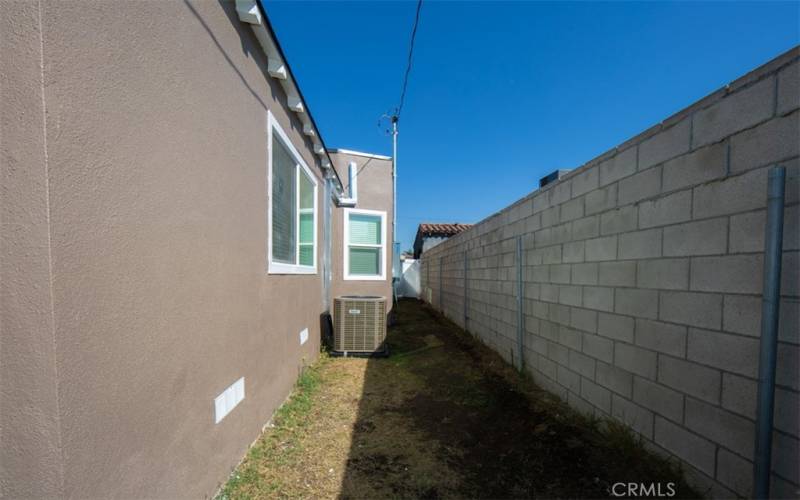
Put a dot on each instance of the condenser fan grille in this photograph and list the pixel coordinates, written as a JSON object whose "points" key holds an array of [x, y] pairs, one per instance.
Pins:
{"points": [[359, 324]]}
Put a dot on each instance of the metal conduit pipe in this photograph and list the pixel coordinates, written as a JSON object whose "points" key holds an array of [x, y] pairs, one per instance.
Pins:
{"points": [[770, 308]]}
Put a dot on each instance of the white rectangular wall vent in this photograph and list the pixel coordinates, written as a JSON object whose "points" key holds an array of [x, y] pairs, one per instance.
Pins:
{"points": [[227, 401], [304, 336]]}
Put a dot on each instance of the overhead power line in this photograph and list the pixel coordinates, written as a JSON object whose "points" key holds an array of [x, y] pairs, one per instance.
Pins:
{"points": [[410, 61]]}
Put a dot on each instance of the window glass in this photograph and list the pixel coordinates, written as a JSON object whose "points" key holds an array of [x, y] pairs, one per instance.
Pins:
{"points": [[306, 220]]}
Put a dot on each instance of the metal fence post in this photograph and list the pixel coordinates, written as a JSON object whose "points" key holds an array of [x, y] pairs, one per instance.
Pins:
{"points": [[465, 290], [441, 287], [520, 315], [770, 308]]}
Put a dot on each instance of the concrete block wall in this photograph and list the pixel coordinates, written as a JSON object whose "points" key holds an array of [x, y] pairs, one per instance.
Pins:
{"points": [[642, 277]]}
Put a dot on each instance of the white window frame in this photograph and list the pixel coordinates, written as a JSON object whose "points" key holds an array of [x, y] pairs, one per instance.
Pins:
{"points": [[346, 240], [274, 267]]}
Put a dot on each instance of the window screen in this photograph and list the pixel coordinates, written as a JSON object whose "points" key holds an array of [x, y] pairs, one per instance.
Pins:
{"points": [[306, 209], [284, 176]]}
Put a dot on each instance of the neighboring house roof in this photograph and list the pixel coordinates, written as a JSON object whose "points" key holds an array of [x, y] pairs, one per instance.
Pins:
{"points": [[429, 229], [432, 230]]}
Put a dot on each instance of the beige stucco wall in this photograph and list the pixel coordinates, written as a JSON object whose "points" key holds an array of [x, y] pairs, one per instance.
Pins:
{"points": [[374, 193], [134, 249]]}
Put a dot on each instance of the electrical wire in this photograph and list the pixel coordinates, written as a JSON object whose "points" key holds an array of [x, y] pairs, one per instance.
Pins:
{"points": [[410, 61]]}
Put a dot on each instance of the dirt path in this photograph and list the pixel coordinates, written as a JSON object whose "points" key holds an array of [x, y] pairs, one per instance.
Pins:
{"points": [[443, 417]]}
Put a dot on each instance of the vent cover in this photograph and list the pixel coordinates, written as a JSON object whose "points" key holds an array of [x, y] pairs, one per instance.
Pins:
{"points": [[359, 324]]}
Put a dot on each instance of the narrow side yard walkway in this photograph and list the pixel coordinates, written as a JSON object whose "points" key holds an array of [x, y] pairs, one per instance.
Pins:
{"points": [[443, 417]]}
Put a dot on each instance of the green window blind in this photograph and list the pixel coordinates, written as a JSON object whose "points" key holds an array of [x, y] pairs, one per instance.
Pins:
{"points": [[365, 229], [283, 203], [365, 261]]}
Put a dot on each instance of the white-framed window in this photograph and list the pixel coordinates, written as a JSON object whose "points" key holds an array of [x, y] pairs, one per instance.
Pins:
{"points": [[292, 207], [364, 244]]}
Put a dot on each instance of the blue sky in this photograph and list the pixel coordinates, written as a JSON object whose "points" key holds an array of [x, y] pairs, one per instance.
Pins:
{"points": [[503, 93]]}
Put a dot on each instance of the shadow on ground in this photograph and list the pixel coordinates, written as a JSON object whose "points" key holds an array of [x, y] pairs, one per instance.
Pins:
{"points": [[445, 417]]}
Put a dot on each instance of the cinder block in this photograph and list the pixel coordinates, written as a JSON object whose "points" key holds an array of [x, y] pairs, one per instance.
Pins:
{"points": [[690, 447], [584, 274], [670, 209], [570, 295], [788, 323], [573, 252], [706, 237], [547, 367], [697, 167], [786, 457], [587, 227], [550, 217], [766, 144], [638, 418], [598, 396], [790, 273], [730, 273], [660, 399], [549, 293], [569, 379], [616, 379], [724, 351], [666, 274], [572, 209], [600, 298], [598, 347], [735, 472], [742, 314], [559, 314], [666, 144], [787, 411], [789, 88], [747, 230], [636, 360], [569, 337], [731, 195], [690, 378], [560, 273], [585, 181], [788, 366], [635, 302], [583, 319], [739, 395], [621, 165], [640, 186], [693, 309], [541, 201], [602, 199], [732, 431], [735, 112], [580, 404], [661, 337], [617, 273], [615, 326], [560, 192], [582, 364], [619, 220], [640, 244], [601, 249]]}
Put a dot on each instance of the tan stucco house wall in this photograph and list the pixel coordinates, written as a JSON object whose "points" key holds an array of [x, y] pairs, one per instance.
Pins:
{"points": [[134, 285]]}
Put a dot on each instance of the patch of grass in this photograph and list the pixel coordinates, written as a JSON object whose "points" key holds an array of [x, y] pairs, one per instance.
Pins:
{"points": [[279, 445]]}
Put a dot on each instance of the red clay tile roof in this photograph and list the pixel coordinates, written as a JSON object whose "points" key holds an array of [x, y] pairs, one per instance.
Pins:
{"points": [[442, 229]]}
